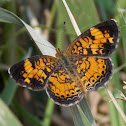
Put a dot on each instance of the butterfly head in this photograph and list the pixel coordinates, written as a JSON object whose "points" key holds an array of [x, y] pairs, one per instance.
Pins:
{"points": [[59, 53]]}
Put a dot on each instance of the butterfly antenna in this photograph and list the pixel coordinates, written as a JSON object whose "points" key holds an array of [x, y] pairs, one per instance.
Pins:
{"points": [[61, 40]]}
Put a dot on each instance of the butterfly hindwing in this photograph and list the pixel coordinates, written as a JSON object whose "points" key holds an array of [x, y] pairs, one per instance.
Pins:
{"points": [[62, 88], [93, 72]]}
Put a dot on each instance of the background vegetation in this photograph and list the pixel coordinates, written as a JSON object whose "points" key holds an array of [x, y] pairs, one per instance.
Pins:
{"points": [[19, 106]]}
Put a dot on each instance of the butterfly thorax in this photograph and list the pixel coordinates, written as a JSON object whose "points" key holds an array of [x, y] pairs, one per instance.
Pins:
{"points": [[59, 53], [62, 57]]}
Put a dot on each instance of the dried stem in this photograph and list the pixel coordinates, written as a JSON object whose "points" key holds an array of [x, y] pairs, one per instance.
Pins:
{"points": [[116, 104]]}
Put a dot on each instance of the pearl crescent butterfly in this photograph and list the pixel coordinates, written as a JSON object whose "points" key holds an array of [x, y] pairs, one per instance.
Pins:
{"points": [[84, 67]]}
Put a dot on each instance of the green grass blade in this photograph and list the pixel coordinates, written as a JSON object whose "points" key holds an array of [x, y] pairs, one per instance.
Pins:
{"points": [[121, 17], [82, 115], [113, 114], [76, 116], [9, 91], [7, 118], [84, 118], [7, 16], [86, 110], [48, 113], [26, 115], [117, 83]]}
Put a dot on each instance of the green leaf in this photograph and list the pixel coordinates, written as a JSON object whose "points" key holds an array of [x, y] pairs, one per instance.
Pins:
{"points": [[7, 118], [82, 115], [26, 115], [9, 91], [45, 47], [84, 118]]}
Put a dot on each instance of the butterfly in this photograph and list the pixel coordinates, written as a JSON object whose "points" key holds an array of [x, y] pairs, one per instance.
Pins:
{"points": [[84, 67]]}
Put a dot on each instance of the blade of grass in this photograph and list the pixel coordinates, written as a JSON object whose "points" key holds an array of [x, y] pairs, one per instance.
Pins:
{"points": [[117, 105], [86, 110], [26, 115], [121, 17], [7, 118], [102, 9], [85, 13], [117, 83], [82, 115], [9, 55], [48, 113], [76, 116], [112, 112], [84, 118], [9, 92], [7, 16]]}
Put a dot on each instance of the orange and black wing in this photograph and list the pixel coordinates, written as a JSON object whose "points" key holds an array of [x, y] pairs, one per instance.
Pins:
{"points": [[100, 40], [33, 72], [62, 89], [94, 72]]}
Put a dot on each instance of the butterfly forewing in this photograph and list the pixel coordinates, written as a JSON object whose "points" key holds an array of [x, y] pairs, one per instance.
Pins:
{"points": [[33, 72], [100, 40]]}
